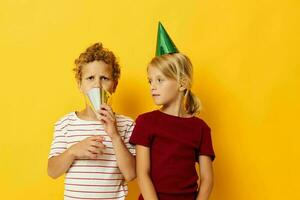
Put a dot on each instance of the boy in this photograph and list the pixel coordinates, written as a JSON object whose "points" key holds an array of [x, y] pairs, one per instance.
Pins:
{"points": [[93, 148]]}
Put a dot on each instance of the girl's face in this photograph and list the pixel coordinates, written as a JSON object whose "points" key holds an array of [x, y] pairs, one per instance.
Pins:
{"points": [[97, 74], [165, 91]]}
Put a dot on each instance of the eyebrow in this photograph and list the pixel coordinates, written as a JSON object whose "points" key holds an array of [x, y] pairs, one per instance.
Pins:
{"points": [[104, 76]]}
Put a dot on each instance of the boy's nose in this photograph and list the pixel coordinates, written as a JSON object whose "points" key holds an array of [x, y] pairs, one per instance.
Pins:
{"points": [[98, 84]]}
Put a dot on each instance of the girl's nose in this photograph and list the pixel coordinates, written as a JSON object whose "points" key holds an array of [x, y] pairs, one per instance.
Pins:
{"points": [[152, 86]]}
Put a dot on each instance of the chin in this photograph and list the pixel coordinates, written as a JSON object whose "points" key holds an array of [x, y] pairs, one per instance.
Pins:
{"points": [[158, 103]]}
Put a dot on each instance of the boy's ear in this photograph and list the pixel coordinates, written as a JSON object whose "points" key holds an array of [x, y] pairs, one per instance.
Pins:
{"points": [[115, 85], [79, 86]]}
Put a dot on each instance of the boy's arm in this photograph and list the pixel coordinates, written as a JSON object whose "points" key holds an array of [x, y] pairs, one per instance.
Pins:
{"points": [[88, 148], [125, 160], [143, 173], [58, 165], [206, 177]]}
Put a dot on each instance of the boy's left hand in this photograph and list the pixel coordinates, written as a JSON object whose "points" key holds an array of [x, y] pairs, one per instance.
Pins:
{"points": [[107, 117]]}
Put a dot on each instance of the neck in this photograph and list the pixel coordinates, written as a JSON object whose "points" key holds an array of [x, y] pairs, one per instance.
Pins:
{"points": [[175, 108], [88, 114]]}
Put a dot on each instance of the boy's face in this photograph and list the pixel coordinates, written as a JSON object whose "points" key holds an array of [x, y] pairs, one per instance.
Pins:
{"points": [[97, 74]]}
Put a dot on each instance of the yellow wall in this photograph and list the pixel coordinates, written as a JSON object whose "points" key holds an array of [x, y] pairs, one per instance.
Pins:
{"points": [[246, 62]]}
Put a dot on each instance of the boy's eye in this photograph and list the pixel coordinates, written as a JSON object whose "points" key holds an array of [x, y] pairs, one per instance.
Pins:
{"points": [[90, 78], [104, 78]]}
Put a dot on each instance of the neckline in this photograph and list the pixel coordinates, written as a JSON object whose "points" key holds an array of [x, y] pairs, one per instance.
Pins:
{"points": [[84, 120], [174, 116]]}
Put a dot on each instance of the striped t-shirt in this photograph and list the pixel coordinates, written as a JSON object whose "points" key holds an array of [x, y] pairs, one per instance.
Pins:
{"points": [[92, 179]]}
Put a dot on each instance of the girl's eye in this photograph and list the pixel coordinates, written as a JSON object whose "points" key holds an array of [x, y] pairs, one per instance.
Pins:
{"points": [[149, 81], [159, 80]]}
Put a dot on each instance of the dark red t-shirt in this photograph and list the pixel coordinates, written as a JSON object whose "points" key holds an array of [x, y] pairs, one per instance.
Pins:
{"points": [[175, 145]]}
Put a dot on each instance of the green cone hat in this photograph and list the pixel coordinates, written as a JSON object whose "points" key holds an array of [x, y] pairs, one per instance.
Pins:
{"points": [[164, 43]]}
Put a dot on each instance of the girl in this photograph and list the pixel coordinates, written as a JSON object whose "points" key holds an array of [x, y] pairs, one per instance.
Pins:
{"points": [[169, 141], [93, 148]]}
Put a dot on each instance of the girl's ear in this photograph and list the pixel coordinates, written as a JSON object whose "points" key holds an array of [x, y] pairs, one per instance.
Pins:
{"points": [[182, 88], [183, 85]]}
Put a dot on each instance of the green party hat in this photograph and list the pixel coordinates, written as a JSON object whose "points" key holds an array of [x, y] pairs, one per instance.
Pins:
{"points": [[164, 43]]}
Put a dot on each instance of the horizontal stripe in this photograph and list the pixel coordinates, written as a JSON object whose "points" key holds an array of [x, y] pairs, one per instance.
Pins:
{"points": [[95, 198], [82, 172], [54, 148], [100, 159], [61, 122], [94, 185], [75, 125], [98, 192], [105, 179], [92, 178], [94, 166]]}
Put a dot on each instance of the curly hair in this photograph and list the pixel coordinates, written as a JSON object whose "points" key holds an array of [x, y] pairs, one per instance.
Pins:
{"points": [[96, 52]]}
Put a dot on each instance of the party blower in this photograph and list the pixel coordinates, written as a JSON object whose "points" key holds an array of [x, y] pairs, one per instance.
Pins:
{"points": [[97, 96]]}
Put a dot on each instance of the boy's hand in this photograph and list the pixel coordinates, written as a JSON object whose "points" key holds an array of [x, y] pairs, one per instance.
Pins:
{"points": [[107, 117], [88, 148]]}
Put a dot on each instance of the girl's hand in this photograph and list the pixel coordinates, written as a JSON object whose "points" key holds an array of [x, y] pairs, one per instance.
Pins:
{"points": [[107, 117], [88, 148]]}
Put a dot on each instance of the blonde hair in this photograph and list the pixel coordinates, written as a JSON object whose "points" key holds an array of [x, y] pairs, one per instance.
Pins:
{"points": [[179, 67], [97, 52]]}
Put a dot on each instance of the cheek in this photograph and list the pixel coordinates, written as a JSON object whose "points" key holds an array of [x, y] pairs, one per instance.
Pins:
{"points": [[84, 86], [170, 87], [171, 90], [109, 86]]}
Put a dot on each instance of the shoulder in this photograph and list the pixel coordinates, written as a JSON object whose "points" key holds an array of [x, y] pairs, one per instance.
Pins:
{"points": [[200, 122], [65, 120], [148, 115]]}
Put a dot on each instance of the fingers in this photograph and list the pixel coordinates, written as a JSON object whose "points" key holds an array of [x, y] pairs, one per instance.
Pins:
{"points": [[106, 116], [95, 150], [90, 155], [96, 138], [89, 148], [98, 144], [106, 107], [107, 111]]}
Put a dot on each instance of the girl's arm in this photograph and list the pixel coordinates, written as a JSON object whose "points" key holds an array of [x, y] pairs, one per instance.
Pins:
{"points": [[143, 173], [88, 148], [206, 177]]}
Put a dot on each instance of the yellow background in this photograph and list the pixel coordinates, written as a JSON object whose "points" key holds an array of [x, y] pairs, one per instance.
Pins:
{"points": [[246, 59]]}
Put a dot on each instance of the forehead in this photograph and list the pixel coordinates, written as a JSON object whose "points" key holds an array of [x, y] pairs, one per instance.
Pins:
{"points": [[97, 67], [154, 71]]}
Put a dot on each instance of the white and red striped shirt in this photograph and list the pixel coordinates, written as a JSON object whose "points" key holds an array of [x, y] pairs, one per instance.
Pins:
{"points": [[92, 179]]}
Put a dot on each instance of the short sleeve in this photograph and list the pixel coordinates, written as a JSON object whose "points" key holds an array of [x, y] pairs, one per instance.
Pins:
{"points": [[128, 133], [206, 146], [59, 143], [141, 134]]}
